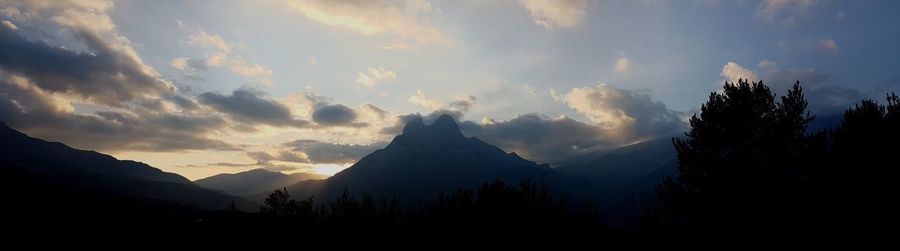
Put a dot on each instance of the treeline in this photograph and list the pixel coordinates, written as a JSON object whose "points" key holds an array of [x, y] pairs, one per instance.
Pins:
{"points": [[527, 209], [750, 171]]}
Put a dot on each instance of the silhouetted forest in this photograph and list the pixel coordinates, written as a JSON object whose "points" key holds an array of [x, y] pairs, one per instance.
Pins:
{"points": [[528, 209], [750, 171]]}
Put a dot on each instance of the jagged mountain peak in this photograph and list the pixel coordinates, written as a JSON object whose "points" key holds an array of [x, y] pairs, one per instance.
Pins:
{"points": [[427, 159], [445, 124], [444, 129]]}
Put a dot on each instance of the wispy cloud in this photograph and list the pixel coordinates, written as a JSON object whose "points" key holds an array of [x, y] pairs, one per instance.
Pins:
{"points": [[403, 19], [552, 14], [374, 76]]}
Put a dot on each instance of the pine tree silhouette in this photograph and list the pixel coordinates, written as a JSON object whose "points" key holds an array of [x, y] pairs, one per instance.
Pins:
{"points": [[860, 178], [744, 162]]}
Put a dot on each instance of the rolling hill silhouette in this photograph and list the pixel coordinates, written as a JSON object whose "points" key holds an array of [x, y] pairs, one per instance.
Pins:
{"points": [[621, 169], [426, 160], [58, 165], [254, 182], [626, 177]]}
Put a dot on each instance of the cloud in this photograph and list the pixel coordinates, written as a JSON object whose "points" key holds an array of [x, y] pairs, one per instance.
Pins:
{"points": [[89, 16], [462, 104], [104, 75], [373, 111], [283, 155], [623, 65], [204, 39], [9, 25], [733, 71], [397, 46], [824, 98], [319, 152], [249, 106], [303, 104], [551, 14], [625, 114], [281, 160], [400, 18], [343, 118], [420, 99], [89, 21], [223, 55], [183, 102], [43, 114], [100, 96], [528, 89], [770, 9], [540, 139], [556, 96], [336, 115], [218, 59], [241, 67], [189, 64], [374, 76], [828, 44]]}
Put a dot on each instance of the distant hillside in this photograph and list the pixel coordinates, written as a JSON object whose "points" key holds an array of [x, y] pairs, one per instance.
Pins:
{"points": [[619, 169], [626, 177], [254, 181], [57, 163]]}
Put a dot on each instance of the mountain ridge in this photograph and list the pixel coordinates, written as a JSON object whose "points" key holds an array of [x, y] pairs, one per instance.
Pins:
{"points": [[254, 181], [58, 163], [427, 160]]}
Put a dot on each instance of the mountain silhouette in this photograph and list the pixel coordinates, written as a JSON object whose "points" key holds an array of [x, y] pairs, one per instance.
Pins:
{"points": [[617, 170], [254, 181], [55, 164], [426, 160], [626, 177]]}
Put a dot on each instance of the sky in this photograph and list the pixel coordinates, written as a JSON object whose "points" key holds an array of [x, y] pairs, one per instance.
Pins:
{"points": [[206, 87]]}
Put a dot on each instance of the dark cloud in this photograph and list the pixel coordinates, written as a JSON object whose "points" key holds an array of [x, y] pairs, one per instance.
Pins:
{"points": [[27, 108], [195, 64], [619, 117], [284, 155], [268, 165], [541, 139], [463, 104], [319, 152], [824, 97], [193, 68], [102, 74], [380, 113], [625, 114], [249, 106], [183, 102], [336, 115], [227, 164]]}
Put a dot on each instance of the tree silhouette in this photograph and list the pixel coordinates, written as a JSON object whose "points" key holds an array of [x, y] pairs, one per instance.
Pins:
{"points": [[280, 203], [744, 162], [490, 208], [863, 168]]}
